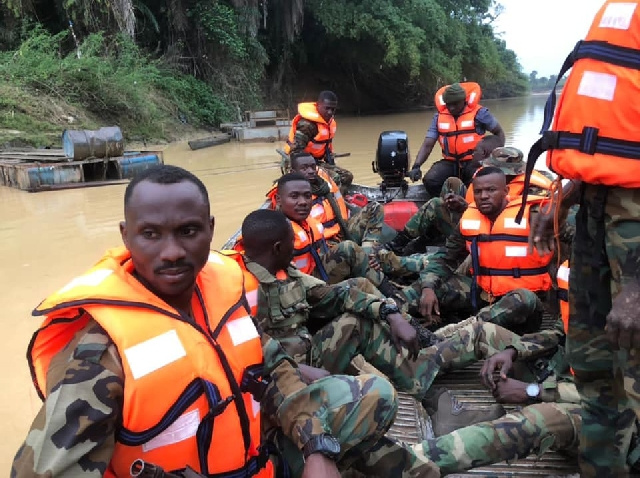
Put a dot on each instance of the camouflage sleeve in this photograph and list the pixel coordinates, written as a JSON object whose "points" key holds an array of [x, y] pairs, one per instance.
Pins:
{"points": [[329, 301], [539, 344], [287, 401], [305, 131], [74, 432], [442, 266]]}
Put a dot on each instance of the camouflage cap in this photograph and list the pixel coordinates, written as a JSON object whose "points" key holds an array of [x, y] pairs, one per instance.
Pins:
{"points": [[508, 159]]}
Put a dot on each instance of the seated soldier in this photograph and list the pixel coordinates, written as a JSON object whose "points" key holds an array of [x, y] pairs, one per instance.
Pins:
{"points": [[348, 321], [312, 254], [329, 208], [506, 277]]}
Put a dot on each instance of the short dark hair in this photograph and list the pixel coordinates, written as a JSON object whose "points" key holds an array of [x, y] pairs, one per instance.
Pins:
{"points": [[289, 177], [263, 228], [327, 95], [487, 170], [165, 174], [301, 154]]}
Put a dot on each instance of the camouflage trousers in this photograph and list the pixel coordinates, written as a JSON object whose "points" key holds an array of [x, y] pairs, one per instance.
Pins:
{"points": [[606, 245], [519, 310], [345, 260], [394, 265], [365, 226], [534, 429], [337, 343]]}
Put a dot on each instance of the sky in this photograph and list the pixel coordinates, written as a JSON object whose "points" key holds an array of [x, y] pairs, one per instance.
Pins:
{"points": [[543, 32]]}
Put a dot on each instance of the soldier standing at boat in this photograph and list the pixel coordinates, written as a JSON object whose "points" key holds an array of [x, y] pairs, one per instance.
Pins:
{"points": [[459, 124], [594, 141], [312, 131]]}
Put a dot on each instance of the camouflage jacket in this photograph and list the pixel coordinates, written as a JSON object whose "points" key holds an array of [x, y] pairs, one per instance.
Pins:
{"points": [[75, 430], [305, 131], [289, 309]]}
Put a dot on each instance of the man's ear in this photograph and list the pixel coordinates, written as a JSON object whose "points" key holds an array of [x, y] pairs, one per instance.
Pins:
{"points": [[123, 233], [278, 203], [276, 248]]}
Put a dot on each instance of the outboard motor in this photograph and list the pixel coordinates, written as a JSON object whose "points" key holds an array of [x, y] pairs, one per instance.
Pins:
{"points": [[392, 159]]}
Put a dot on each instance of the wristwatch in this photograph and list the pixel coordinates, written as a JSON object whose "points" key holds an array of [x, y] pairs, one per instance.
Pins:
{"points": [[324, 444], [533, 391], [388, 307]]}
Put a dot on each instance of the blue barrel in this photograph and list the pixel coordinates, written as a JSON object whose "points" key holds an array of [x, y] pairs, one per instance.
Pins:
{"points": [[134, 163], [106, 142]]}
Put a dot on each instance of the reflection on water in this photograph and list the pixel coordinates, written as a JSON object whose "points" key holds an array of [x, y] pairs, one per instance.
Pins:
{"points": [[47, 238]]}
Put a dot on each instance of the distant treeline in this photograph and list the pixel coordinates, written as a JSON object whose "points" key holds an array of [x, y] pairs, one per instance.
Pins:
{"points": [[543, 83], [376, 54]]}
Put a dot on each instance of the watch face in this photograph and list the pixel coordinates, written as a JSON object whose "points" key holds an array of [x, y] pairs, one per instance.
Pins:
{"points": [[533, 390], [331, 445]]}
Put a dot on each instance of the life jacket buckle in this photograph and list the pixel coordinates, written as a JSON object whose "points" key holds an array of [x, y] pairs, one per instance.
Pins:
{"points": [[550, 140], [253, 382], [515, 272], [589, 140]]}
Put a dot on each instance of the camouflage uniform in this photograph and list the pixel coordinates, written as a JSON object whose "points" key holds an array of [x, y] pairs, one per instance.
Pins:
{"points": [[347, 259], [519, 310], [86, 380], [433, 223], [605, 262], [307, 130]]}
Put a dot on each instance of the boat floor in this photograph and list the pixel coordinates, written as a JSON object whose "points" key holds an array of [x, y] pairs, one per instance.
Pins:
{"points": [[413, 425]]}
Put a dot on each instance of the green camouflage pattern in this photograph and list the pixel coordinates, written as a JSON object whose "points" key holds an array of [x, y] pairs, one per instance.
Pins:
{"points": [[534, 429], [508, 159], [365, 225], [608, 380], [345, 260]]}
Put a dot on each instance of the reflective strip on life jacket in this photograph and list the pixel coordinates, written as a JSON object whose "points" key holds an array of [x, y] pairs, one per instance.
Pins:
{"points": [[309, 241], [322, 211]]}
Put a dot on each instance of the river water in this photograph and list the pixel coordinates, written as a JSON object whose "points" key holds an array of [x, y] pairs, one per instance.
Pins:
{"points": [[48, 238]]}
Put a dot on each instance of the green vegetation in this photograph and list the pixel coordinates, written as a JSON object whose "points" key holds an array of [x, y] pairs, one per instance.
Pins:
{"points": [[543, 83], [158, 67]]}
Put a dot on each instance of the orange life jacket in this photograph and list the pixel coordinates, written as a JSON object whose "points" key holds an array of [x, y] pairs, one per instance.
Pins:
{"points": [[516, 185], [501, 261], [322, 211], [317, 147], [187, 397], [457, 136], [251, 284], [309, 242], [271, 195], [595, 137]]}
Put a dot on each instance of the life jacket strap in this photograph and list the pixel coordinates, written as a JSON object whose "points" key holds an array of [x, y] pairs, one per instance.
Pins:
{"points": [[516, 272]]}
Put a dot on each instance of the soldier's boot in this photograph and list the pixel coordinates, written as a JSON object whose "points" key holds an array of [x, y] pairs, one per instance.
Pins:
{"points": [[398, 243], [425, 336], [448, 414]]}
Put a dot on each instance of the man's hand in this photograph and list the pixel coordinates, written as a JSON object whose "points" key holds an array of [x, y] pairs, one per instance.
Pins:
{"points": [[429, 307], [623, 326], [415, 174], [311, 374], [319, 466], [374, 263], [503, 361], [403, 333], [455, 202], [510, 390], [542, 236]]}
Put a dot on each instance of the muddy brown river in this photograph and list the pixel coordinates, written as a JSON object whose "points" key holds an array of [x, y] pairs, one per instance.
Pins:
{"points": [[48, 238]]}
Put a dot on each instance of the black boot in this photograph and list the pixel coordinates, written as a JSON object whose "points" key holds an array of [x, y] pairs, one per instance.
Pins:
{"points": [[398, 243]]}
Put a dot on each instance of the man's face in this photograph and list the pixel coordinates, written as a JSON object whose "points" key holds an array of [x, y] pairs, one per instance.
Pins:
{"points": [[294, 199], [168, 231], [489, 193], [306, 165], [327, 109], [455, 108], [284, 250]]}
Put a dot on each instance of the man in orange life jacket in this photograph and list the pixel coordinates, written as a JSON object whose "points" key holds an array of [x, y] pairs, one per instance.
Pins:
{"points": [[312, 131], [152, 355], [364, 227], [312, 255], [459, 124], [507, 279]]}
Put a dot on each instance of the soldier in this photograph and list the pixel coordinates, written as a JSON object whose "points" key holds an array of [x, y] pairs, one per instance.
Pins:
{"points": [[312, 131], [507, 279], [593, 142], [119, 361], [364, 227], [331, 262], [459, 125]]}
